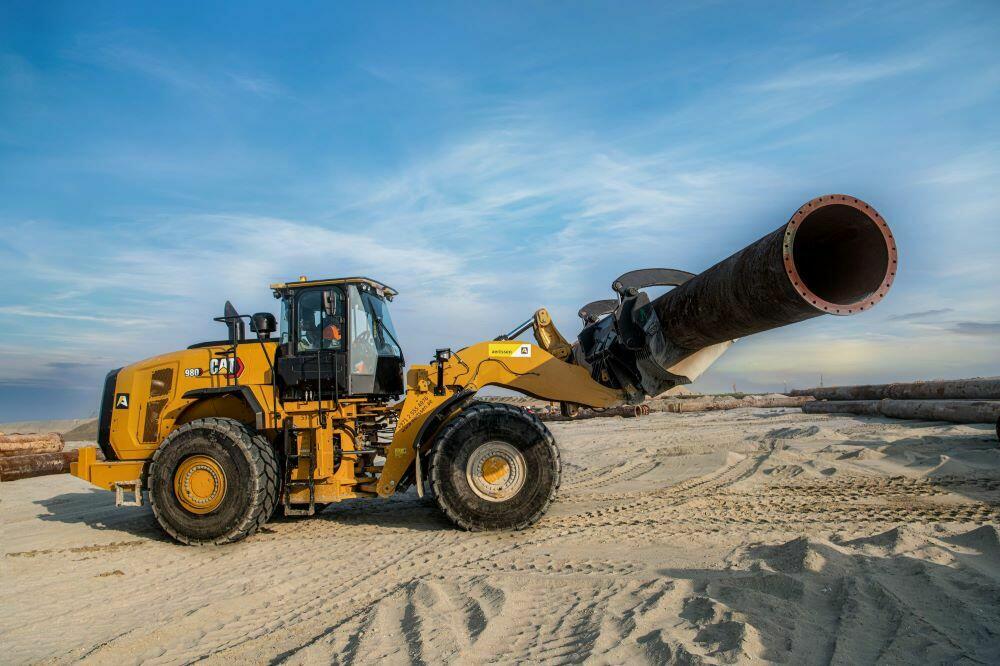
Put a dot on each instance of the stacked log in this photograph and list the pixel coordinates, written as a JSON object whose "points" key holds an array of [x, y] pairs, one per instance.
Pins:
{"points": [[18, 445], [703, 405], [863, 407], [25, 456], [955, 389], [954, 401], [26, 466], [675, 405]]}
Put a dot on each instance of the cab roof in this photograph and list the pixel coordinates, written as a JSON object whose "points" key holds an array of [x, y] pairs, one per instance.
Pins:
{"points": [[302, 283]]}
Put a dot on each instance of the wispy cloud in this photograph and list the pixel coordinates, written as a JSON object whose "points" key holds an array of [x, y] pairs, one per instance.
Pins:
{"points": [[980, 165], [923, 314], [983, 328], [156, 63], [19, 311], [838, 71], [261, 86]]}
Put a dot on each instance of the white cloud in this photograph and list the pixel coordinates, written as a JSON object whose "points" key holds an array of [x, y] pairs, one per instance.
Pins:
{"points": [[837, 71], [17, 311], [141, 54]]}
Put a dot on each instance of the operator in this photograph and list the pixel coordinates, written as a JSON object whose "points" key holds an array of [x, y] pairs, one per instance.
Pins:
{"points": [[331, 332], [314, 337]]}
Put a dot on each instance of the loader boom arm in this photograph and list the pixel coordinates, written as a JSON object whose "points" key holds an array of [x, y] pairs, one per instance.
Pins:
{"points": [[524, 367]]}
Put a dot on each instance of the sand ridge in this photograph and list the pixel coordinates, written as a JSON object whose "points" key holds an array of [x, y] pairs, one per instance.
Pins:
{"points": [[719, 537]]}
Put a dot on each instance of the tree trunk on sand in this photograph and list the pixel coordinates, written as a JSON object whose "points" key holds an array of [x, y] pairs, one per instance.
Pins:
{"points": [[955, 389], [861, 407], [18, 445], [778, 400], [683, 406], [953, 411], [693, 405], [13, 468]]}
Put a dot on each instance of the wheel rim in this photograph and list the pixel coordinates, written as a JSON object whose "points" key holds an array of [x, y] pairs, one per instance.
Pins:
{"points": [[496, 471], [200, 484]]}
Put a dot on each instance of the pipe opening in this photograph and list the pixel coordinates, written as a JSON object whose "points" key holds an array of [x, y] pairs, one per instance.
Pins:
{"points": [[841, 255]]}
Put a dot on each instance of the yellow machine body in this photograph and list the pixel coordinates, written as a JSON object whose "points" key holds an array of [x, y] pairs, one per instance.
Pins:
{"points": [[154, 397]]}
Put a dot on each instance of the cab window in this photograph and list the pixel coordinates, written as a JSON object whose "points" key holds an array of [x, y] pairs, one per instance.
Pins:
{"points": [[364, 355], [319, 318], [385, 333], [286, 330]]}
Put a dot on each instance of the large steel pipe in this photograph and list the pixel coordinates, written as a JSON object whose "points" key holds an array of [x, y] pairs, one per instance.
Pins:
{"points": [[836, 255]]}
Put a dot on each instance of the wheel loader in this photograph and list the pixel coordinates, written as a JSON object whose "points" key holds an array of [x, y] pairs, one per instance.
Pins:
{"points": [[223, 435]]}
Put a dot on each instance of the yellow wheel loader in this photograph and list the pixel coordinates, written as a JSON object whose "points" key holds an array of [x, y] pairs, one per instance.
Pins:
{"points": [[224, 434]]}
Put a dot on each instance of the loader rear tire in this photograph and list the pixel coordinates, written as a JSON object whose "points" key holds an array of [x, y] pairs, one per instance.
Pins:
{"points": [[494, 467], [213, 481]]}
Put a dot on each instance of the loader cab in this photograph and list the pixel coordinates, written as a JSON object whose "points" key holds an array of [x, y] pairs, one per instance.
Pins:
{"points": [[337, 340]]}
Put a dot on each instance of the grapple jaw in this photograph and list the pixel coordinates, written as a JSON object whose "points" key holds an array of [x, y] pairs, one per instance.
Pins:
{"points": [[621, 343]]}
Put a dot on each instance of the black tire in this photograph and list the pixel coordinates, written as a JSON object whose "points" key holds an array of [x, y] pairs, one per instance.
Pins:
{"points": [[429, 498], [252, 481], [460, 438]]}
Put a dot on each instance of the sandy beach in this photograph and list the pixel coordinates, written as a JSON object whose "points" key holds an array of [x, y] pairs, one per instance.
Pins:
{"points": [[719, 537]]}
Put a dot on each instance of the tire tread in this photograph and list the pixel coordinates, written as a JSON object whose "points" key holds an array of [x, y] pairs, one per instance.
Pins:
{"points": [[437, 459], [266, 479]]}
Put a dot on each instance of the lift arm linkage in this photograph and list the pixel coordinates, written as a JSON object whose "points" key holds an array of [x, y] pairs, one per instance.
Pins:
{"points": [[524, 367]]}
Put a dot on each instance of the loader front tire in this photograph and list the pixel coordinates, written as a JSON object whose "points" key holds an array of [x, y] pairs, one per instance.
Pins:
{"points": [[213, 481], [494, 467]]}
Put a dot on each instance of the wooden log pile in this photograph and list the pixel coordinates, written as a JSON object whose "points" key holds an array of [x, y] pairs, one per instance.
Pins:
{"points": [[954, 401], [953, 389], [707, 404], [18, 445], [26, 466], [25, 456], [624, 411], [678, 405]]}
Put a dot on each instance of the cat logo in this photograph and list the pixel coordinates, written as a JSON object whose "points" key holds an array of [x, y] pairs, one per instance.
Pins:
{"points": [[121, 401], [228, 366]]}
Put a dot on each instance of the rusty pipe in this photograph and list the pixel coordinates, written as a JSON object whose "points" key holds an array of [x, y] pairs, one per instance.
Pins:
{"points": [[836, 255]]}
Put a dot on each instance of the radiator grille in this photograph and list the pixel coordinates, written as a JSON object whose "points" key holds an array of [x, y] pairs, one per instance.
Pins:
{"points": [[161, 382], [152, 426]]}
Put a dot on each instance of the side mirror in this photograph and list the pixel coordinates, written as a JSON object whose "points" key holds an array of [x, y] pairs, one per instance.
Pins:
{"points": [[263, 324]]}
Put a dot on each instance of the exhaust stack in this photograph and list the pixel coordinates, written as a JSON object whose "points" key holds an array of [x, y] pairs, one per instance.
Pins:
{"points": [[836, 255]]}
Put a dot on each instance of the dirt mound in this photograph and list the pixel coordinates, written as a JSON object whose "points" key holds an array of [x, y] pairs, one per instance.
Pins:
{"points": [[85, 432]]}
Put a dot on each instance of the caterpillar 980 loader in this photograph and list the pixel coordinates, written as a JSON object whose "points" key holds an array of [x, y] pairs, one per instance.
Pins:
{"points": [[222, 435]]}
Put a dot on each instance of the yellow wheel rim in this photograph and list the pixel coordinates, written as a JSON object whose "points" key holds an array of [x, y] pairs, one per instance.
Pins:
{"points": [[200, 484], [495, 469]]}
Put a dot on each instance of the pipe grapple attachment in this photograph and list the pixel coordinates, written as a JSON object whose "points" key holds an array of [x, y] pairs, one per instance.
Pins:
{"points": [[836, 255]]}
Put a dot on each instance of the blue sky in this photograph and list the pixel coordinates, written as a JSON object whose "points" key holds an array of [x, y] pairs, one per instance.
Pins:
{"points": [[485, 160]]}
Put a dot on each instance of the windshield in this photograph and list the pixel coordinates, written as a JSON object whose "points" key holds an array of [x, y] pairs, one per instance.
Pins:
{"points": [[385, 334]]}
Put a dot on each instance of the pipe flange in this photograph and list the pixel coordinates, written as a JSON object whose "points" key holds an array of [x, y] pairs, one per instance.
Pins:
{"points": [[788, 245]]}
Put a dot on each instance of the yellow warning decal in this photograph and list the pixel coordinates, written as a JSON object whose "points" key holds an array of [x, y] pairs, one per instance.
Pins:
{"points": [[510, 350]]}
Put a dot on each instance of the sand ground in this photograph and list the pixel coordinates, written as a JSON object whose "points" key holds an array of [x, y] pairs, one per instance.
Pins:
{"points": [[751, 535]]}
